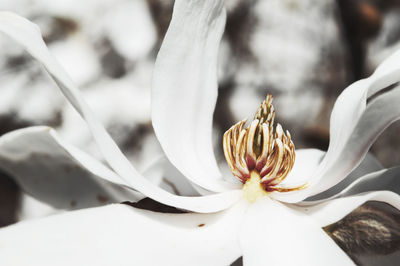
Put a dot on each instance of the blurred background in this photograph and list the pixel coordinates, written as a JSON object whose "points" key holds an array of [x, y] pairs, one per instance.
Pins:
{"points": [[303, 52]]}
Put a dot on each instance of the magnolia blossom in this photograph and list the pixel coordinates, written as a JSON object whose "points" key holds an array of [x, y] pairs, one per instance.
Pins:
{"points": [[266, 220]]}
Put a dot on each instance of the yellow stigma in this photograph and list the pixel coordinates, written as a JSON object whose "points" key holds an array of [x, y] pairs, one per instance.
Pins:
{"points": [[258, 155], [252, 189]]}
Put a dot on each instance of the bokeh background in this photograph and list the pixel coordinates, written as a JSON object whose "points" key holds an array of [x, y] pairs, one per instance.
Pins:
{"points": [[303, 52]]}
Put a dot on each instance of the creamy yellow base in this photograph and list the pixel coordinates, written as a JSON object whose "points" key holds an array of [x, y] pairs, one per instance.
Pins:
{"points": [[252, 189]]}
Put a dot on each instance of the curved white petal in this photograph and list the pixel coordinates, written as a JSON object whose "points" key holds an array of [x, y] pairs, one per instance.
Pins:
{"points": [[348, 120], [185, 90], [273, 234], [355, 125], [59, 174], [369, 165], [351, 104], [386, 73], [123, 235], [331, 211], [381, 184], [385, 179], [28, 35], [379, 114]]}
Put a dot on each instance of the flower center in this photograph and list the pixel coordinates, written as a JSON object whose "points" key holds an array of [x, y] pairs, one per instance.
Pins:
{"points": [[258, 156]]}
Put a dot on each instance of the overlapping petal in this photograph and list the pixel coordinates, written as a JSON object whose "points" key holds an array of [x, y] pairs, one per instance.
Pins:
{"points": [[331, 211], [162, 172], [369, 165], [28, 35], [122, 235], [382, 185], [385, 179], [57, 173], [355, 124], [273, 234], [379, 114], [185, 90]]}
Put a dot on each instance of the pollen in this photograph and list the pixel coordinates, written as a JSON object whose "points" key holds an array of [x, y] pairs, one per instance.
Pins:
{"points": [[258, 155]]}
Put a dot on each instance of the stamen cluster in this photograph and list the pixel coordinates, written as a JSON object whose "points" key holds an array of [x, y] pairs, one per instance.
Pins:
{"points": [[258, 148]]}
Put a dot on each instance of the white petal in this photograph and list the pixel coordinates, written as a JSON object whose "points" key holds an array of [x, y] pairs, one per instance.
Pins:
{"points": [[185, 90], [369, 165], [162, 172], [273, 234], [123, 235], [306, 162], [59, 174], [354, 126], [352, 130], [28, 35], [331, 211], [386, 179], [351, 104], [379, 114], [386, 73]]}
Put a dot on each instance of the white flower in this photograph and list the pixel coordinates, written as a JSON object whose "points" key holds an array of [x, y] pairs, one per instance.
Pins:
{"points": [[277, 229]]}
